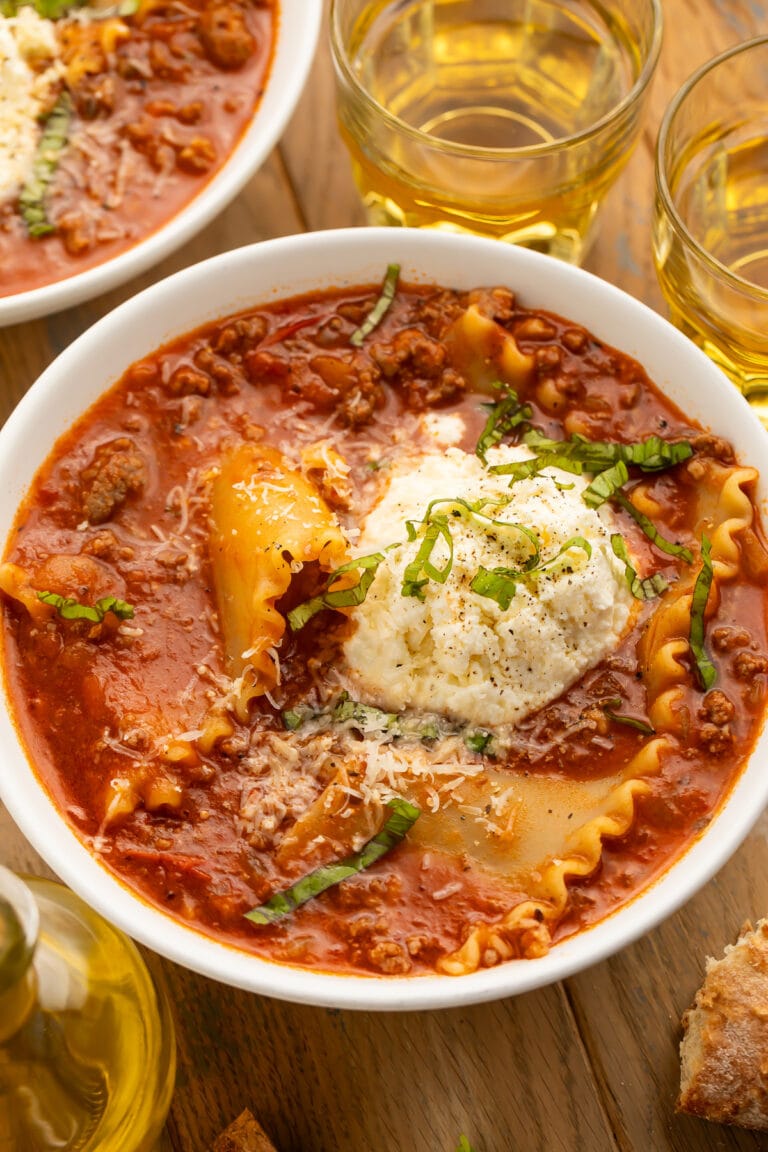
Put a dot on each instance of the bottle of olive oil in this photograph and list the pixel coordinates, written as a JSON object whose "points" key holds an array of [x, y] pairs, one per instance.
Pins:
{"points": [[87, 1051]]}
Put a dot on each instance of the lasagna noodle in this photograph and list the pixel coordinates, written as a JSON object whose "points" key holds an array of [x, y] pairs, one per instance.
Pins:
{"points": [[267, 521], [526, 930]]}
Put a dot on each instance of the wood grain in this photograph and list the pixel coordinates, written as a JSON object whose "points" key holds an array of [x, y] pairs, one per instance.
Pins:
{"points": [[587, 1066]]}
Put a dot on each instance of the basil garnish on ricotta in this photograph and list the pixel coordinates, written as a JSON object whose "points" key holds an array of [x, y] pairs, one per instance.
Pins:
{"points": [[530, 593]]}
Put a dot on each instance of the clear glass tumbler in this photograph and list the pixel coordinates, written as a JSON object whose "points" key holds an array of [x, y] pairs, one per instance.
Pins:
{"points": [[710, 234], [506, 118]]}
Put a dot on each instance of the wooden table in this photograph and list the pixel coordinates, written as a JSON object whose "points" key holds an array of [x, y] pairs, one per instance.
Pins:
{"points": [[589, 1065]]}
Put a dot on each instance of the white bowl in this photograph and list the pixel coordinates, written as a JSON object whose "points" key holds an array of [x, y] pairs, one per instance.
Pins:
{"points": [[297, 34], [250, 276]]}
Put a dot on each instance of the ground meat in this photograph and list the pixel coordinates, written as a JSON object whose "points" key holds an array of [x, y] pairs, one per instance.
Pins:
{"points": [[747, 665], [410, 348], [437, 312], [264, 367], [77, 231], [106, 546], [717, 708], [185, 113], [597, 720], [367, 892], [188, 381], [350, 385], [715, 446], [166, 64], [715, 733], [240, 336], [714, 739], [225, 36], [198, 155], [419, 945], [95, 96], [145, 135], [227, 378], [358, 407], [416, 363], [575, 339], [390, 957], [497, 304], [547, 359], [117, 469], [726, 639]]}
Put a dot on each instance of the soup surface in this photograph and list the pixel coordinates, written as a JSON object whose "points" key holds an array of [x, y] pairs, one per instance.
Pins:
{"points": [[388, 631], [113, 117]]}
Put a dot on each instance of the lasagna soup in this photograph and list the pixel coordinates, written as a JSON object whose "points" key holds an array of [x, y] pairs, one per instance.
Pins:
{"points": [[112, 117], [388, 630]]}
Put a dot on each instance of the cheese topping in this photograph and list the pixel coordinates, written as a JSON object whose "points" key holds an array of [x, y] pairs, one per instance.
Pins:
{"points": [[459, 652], [29, 70]]}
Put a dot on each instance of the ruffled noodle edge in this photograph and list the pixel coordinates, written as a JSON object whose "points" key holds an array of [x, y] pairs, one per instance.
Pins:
{"points": [[525, 932]]}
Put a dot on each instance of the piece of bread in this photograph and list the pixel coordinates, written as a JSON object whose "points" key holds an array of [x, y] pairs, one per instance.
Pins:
{"points": [[724, 1051], [244, 1135]]}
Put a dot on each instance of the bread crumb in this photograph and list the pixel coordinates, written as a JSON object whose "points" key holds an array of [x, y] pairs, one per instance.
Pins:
{"points": [[244, 1134]]}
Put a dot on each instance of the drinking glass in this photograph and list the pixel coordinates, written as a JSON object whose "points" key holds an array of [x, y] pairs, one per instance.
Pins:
{"points": [[710, 232], [505, 118]]}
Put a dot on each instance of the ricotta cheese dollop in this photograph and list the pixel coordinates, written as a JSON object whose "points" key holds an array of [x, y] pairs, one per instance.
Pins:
{"points": [[460, 653], [28, 70]]}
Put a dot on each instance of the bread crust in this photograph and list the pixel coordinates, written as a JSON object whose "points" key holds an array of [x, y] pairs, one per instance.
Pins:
{"points": [[244, 1134], [724, 1050]]}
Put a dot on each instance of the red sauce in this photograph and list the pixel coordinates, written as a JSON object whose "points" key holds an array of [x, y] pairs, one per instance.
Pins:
{"points": [[153, 121], [87, 700]]}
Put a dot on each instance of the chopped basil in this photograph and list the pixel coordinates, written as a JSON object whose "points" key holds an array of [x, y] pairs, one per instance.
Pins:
{"points": [[478, 741], [500, 584], [293, 718], [705, 669], [504, 416], [524, 469], [343, 597], [363, 717], [55, 9], [380, 308], [651, 455], [70, 609], [651, 531], [647, 588], [608, 707], [49, 9], [46, 159], [403, 816], [605, 485], [421, 570], [413, 581]]}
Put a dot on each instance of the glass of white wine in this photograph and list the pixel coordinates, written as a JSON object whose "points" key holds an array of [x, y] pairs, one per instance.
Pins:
{"points": [[710, 233], [504, 118]]}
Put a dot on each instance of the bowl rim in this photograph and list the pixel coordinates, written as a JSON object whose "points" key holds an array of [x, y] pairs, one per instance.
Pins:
{"points": [[348, 257], [298, 31]]}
